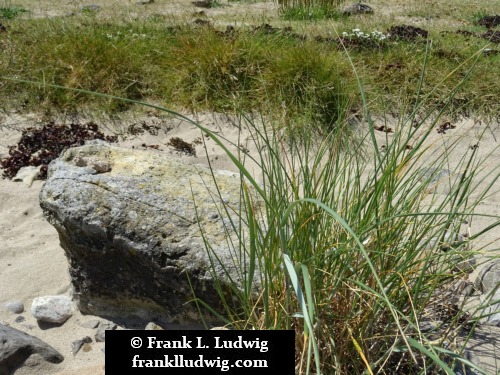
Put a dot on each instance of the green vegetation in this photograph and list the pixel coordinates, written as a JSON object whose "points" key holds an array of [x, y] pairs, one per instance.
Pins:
{"points": [[313, 8], [338, 240], [11, 12], [302, 80], [312, 13]]}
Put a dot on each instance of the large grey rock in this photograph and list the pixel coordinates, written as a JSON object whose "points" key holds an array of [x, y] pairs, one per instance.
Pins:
{"points": [[131, 232], [52, 309], [17, 346]]}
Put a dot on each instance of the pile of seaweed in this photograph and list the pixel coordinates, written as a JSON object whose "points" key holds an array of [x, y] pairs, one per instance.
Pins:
{"points": [[39, 146]]}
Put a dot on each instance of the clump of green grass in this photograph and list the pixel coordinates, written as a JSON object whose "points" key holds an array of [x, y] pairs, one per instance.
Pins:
{"points": [[102, 59], [194, 67], [313, 13], [337, 237], [9, 12], [310, 3]]}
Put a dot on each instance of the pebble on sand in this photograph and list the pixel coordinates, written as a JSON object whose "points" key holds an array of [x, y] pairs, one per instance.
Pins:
{"points": [[52, 309], [16, 307]]}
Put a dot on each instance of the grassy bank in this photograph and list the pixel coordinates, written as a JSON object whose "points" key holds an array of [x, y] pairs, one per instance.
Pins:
{"points": [[300, 78]]}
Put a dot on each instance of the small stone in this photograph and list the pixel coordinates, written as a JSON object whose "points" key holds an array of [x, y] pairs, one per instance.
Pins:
{"points": [[52, 309], [153, 327], [100, 335], [17, 307], [468, 290], [87, 347], [491, 310], [489, 277], [465, 288], [464, 264], [20, 319], [92, 324], [27, 175], [76, 346], [219, 329]]}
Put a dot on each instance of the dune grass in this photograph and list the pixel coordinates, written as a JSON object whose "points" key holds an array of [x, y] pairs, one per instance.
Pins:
{"points": [[339, 244], [352, 247]]}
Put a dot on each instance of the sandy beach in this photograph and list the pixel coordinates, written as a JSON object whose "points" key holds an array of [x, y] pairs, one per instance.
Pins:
{"points": [[33, 264]]}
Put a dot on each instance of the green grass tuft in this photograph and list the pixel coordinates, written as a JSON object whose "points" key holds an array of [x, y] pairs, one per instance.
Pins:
{"points": [[314, 13], [11, 12]]}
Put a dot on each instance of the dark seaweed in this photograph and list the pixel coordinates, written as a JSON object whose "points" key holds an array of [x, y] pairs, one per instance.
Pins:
{"points": [[182, 146], [39, 146], [441, 129]]}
